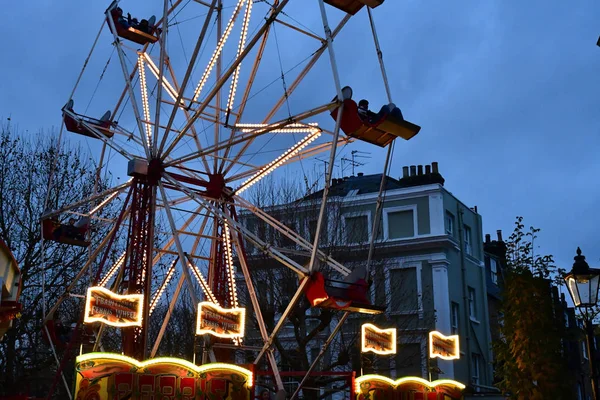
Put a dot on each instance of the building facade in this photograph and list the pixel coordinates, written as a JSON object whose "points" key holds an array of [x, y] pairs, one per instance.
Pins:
{"points": [[428, 268]]}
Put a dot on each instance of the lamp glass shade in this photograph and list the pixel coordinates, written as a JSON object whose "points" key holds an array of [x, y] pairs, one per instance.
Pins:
{"points": [[583, 289]]}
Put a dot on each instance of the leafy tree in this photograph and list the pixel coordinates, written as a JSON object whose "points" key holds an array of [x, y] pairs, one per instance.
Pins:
{"points": [[529, 356]]}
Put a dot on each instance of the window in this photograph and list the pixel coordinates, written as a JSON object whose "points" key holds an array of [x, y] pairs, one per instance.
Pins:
{"points": [[404, 291], [472, 304], [357, 229], [449, 223], [584, 350], [475, 362], [494, 271], [286, 242], [467, 238], [454, 322], [401, 224]]}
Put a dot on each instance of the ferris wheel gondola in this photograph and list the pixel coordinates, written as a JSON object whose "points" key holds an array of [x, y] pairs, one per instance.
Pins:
{"points": [[190, 157]]}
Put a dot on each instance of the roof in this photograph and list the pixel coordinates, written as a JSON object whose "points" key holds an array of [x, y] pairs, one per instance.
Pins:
{"points": [[362, 184]]}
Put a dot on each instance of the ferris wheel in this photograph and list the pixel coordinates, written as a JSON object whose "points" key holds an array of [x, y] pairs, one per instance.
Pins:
{"points": [[203, 103]]}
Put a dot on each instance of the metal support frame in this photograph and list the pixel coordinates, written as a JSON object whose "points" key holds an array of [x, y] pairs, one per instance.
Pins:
{"points": [[294, 266], [241, 251], [134, 104], [336, 133], [225, 77], [321, 353]]}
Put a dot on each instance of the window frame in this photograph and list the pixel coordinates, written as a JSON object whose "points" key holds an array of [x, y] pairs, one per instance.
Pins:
{"points": [[449, 223], [356, 214], [494, 270], [454, 322], [468, 239], [388, 288], [386, 223], [476, 369], [472, 303]]}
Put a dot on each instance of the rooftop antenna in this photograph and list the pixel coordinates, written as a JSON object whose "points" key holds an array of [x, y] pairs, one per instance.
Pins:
{"points": [[355, 154], [325, 164]]}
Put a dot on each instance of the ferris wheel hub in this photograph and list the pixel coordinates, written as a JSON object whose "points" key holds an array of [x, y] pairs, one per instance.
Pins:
{"points": [[150, 171]]}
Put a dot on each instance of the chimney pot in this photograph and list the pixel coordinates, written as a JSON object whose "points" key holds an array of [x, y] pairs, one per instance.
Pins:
{"points": [[405, 172], [428, 170], [487, 238], [434, 166], [413, 170], [419, 169], [360, 174], [499, 233]]}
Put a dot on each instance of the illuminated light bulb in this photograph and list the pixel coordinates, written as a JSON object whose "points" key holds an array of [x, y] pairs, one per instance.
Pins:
{"points": [[112, 270], [241, 45], [217, 51], [144, 91], [165, 83], [207, 292], [160, 291], [279, 161]]}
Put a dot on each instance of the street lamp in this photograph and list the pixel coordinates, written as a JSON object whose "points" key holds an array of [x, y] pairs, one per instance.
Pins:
{"points": [[583, 283]]}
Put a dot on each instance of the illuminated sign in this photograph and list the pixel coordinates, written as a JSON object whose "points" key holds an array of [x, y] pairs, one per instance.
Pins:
{"points": [[218, 321], [114, 376], [444, 347], [102, 305], [372, 387], [380, 341]]}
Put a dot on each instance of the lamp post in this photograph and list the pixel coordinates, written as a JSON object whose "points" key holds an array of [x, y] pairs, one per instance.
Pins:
{"points": [[583, 283]]}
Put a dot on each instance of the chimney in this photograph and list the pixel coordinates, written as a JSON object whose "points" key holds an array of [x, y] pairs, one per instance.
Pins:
{"points": [[487, 238], [419, 170], [413, 170], [405, 172], [499, 233], [428, 170], [434, 165], [360, 174]]}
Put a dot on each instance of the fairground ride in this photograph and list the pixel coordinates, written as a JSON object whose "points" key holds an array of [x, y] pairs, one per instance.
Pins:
{"points": [[195, 130]]}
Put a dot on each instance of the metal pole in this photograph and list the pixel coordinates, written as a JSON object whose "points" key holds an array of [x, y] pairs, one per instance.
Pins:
{"points": [[589, 335], [323, 350], [159, 89], [336, 134]]}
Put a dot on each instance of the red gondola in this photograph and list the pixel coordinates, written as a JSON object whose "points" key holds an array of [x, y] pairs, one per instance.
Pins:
{"points": [[73, 234], [340, 295], [135, 34], [73, 125], [381, 132], [353, 6]]}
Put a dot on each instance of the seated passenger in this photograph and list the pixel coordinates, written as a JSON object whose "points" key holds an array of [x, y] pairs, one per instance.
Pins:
{"points": [[371, 117]]}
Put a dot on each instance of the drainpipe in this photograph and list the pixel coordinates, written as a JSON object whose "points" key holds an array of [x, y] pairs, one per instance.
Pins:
{"points": [[465, 292]]}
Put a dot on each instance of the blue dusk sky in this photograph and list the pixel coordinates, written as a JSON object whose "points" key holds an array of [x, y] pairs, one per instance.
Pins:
{"points": [[507, 94]]}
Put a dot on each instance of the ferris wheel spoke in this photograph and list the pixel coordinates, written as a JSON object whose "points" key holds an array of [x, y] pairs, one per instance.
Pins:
{"points": [[246, 95], [290, 307], [259, 130], [161, 78], [86, 266], [182, 259], [90, 199], [98, 134], [238, 244], [290, 234], [186, 78], [126, 76], [268, 249], [219, 84], [279, 161]]}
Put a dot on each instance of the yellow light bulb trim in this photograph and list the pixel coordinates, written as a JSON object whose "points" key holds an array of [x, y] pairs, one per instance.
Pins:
{"points": [[169, 360], [406, 379]]}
